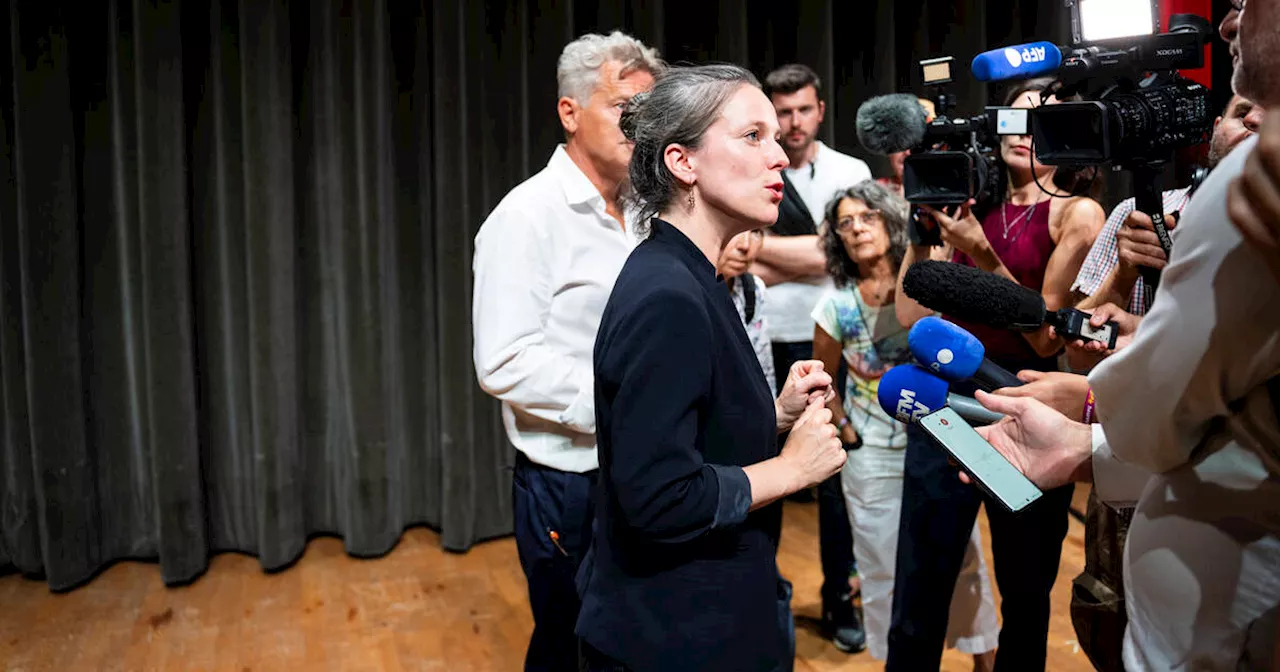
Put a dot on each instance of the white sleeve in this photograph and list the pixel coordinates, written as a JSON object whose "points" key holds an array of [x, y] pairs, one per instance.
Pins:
{"points": [[510, 304], [1212, 336], [1115, 482]]}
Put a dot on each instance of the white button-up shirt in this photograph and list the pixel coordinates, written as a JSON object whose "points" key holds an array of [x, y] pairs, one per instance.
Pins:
{"points": [[545, 263], [1188, 402]]}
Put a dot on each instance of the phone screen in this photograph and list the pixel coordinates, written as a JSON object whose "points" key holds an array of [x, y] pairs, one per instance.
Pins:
{"points": [[980, 459]]}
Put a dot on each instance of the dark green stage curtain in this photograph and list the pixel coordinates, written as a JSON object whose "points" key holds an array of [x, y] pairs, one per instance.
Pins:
{"points": [[235, 250]]}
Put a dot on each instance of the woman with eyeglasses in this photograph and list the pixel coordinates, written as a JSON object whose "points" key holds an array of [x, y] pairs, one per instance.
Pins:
{"points": [[865, 239]]}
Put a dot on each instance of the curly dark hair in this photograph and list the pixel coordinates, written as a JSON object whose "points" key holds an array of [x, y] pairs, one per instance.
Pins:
{"points": [[893, 213]]}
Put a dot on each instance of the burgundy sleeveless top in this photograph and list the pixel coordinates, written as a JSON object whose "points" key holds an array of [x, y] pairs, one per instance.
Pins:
{"points": [[1025, 252]]}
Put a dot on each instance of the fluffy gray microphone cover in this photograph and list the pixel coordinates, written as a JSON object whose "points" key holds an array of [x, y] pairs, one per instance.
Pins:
{"points": [[973, 295], [892, 123]]}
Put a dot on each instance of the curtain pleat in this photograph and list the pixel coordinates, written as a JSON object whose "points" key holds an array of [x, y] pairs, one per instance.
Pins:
{"points": [[236, 240]]}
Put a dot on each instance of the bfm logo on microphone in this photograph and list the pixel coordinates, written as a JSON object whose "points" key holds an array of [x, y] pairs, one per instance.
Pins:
{"points": [[1027, 55], [910, 410]]}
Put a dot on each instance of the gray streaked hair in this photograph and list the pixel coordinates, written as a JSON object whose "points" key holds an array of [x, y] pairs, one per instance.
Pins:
{"points": [[578, 70], [683, 104], [893, 213]]}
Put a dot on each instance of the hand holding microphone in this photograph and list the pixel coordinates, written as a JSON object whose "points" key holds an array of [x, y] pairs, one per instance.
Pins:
{"points": [[1065, 393], [1126, 324]]}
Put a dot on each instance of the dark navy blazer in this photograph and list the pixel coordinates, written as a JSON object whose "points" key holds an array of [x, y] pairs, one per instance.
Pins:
{"points": [[680, 576]]}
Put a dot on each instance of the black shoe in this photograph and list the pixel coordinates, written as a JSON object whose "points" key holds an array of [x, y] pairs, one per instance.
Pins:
{"points": [[842, 624]]}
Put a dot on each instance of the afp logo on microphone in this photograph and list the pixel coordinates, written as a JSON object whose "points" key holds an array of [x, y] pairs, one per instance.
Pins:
{"points": [[1028, 55], [909, 410]]}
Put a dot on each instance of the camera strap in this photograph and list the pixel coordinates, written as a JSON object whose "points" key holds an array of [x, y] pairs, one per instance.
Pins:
{"points": [[1148, 200]]}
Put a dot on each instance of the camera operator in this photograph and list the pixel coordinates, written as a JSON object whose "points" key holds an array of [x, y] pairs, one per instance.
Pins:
{"points": [[1039, 242], [1128, 241], [1188, 412]]}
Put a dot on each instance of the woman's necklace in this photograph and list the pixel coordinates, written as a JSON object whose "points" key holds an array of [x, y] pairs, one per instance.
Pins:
{"points": [[1026, 215], [879, 295]]}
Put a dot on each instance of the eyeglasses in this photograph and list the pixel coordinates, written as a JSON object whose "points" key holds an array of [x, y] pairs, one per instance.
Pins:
{"points": [[867, 217]]}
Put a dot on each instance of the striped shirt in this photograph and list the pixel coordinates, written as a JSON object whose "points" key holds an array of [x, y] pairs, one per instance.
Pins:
{"points": [[1104, 256]]}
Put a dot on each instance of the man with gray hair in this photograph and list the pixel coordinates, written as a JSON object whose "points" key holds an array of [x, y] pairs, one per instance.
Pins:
{"points": [[545, 263]]}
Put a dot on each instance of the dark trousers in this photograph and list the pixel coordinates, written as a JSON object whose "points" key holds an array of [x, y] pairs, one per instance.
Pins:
{"points": [[938, 513], [591, 660], [835, 536], [548, 500]]}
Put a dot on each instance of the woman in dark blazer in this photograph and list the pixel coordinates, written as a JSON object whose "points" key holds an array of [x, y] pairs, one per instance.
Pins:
{"points": [[682, 572]]}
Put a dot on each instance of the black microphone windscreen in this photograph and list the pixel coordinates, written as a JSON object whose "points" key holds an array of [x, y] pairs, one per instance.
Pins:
{"points": [[889, 124], [974, 295]]}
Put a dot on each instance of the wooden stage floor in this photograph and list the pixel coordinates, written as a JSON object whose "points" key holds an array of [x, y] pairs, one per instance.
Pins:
{"points": [[418, 608]]}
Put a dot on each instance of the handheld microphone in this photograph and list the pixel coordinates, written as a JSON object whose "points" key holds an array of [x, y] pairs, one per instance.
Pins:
{"points": [[1021, 61], [955, 354], [908, 392], [974, 295], [890, 124]]}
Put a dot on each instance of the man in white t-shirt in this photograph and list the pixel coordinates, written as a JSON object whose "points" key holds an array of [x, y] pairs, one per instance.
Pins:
{"points": [[792, 264]]}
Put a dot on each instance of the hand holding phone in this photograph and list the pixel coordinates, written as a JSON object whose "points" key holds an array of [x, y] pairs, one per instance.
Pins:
{"points": [[985, 465]]}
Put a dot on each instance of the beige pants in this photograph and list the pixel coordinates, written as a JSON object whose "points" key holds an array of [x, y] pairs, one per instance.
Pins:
{"points": [[1202, 567], [872, 482]]}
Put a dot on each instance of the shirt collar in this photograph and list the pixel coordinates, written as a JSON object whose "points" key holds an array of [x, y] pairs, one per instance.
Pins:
{"points": [[578, 188], [665, 234]]}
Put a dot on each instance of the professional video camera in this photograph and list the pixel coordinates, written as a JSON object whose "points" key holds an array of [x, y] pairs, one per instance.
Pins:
{"points": [[953, 162], [952, 158], [1136, 110]]}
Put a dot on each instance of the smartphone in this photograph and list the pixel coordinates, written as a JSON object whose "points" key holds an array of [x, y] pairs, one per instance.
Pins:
{"points": [[989, 469]]}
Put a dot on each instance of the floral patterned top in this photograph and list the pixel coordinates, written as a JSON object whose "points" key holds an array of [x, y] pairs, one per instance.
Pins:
{"points": [[872, 342]]}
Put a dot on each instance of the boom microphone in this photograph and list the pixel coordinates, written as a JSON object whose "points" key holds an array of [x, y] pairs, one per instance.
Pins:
{"points": [[908, 392], [973, 295], [890, 124], [955, 354], [1020, 61]]}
